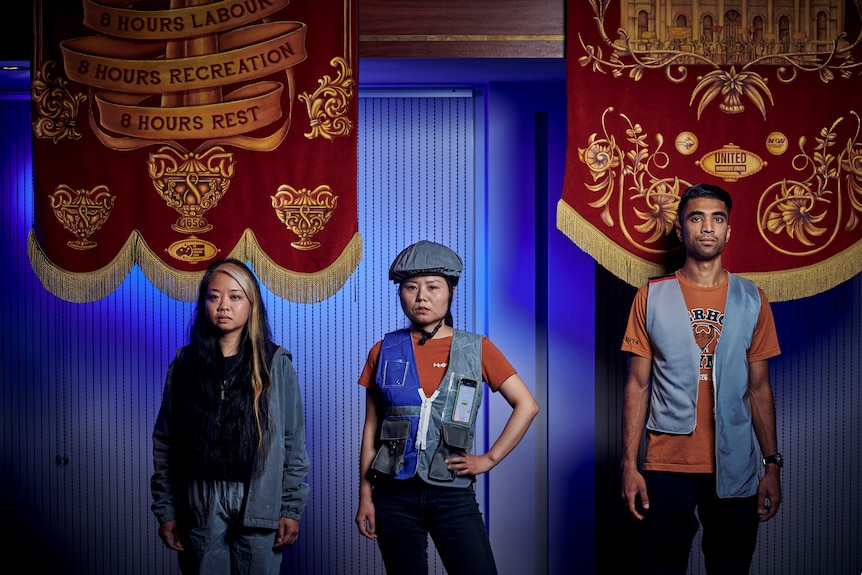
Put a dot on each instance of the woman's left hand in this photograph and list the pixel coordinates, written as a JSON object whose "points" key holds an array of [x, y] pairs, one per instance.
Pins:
{"points": [[524, 410], [469, 464], [288, 532]]}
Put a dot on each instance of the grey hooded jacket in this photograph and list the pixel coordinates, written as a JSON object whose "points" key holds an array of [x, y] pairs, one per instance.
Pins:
{"points": [[279, 491]]}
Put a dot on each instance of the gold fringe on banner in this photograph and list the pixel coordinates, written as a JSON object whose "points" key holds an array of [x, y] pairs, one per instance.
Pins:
{"points": [[620, 262], [778, 286], [302, 287], [183, 286], [810, 280], [82, 287]]}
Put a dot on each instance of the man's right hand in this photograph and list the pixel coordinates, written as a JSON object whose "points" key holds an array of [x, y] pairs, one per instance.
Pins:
{"points": [[634, 487]]}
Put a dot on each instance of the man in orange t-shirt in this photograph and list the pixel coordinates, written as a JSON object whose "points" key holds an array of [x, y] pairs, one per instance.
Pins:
{"points": [[703, 401]]}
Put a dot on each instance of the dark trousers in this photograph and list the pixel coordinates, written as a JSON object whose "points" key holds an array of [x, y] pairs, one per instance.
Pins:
{"points": [[408, 511], [670, 524]]}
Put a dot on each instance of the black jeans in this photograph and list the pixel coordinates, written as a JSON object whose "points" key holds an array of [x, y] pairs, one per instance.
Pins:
{"points": [[408, 511], [670, 524]]}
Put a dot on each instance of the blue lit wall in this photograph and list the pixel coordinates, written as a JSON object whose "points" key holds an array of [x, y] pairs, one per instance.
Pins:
{"points": [[81, 383]]}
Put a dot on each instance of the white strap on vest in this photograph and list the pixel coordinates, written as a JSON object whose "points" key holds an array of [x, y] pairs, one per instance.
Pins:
{"points": [[424, 418]]}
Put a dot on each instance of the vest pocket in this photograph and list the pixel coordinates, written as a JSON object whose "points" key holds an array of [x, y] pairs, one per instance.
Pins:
{"points": [[393, 437], [454, 439]]}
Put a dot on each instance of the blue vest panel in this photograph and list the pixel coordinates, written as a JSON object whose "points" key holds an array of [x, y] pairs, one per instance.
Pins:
{"points": [[402, 453]]}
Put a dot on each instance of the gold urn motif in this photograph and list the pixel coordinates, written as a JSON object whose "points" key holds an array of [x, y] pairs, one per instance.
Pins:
{"points": [[191, 183], [304, 212], [82, 212]]}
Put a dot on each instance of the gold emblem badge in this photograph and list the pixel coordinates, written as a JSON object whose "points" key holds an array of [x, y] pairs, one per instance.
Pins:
{"points": [[776, 143], [686, 143], [730, 163], [192, 249]]}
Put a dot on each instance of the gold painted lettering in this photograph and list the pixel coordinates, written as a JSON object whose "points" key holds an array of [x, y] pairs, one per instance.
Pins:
{"points": [[238, 118]]}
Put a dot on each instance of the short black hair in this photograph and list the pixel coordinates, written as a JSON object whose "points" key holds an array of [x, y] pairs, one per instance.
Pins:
{"points": [[704, 191]]}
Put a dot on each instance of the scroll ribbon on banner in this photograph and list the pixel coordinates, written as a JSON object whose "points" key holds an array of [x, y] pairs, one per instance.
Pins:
{"points": [[171, 133], [765, 101]]}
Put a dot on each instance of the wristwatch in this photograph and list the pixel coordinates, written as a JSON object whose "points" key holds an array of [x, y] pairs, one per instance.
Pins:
{"points": [[776, 459]]}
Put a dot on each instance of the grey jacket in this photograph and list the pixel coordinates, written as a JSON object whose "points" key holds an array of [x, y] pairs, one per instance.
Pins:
{"points": [[279, 491]]}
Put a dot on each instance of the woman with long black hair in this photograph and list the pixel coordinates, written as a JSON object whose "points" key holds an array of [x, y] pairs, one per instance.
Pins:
{"points": [[229, 446]]}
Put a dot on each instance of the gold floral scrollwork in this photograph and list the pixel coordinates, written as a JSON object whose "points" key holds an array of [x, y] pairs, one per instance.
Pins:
{"points": [[630, 172], [82, 212], [799, 208], [328, 105], [851, 164], [732, 86], [304, 212], [56, 106], [192, 183]]}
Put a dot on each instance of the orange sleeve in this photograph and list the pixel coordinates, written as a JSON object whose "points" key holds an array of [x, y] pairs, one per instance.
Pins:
{"points": [[495, 367], [636, 339], [764, 342], [369, 372]]}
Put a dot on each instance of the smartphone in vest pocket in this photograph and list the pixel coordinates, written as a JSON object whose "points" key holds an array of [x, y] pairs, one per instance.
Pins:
{"points": [[464, 400]]}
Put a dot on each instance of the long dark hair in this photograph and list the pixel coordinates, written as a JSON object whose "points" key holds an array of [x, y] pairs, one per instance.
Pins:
{"points": [[224, 402]]}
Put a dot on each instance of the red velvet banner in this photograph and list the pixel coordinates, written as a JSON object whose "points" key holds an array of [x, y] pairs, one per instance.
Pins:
{"points": [[167, 134], [762, 100]]}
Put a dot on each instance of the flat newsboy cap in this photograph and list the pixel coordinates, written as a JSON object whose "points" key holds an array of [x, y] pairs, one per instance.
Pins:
{"points": [[426, 258]]}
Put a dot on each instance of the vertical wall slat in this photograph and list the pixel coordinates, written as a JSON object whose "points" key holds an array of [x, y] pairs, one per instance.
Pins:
{"points": [[83, 382]]}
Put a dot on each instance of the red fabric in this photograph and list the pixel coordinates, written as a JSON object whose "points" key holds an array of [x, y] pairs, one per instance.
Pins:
{"points": [[625, 121], [261, 63]]}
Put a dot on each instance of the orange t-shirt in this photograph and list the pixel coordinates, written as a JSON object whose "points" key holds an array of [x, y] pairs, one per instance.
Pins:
{"points": [[695, 452], [432, 359]]}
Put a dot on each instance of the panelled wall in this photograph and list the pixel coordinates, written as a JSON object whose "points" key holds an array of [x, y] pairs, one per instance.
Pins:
{"points": [[82, 382], [477, 164]]}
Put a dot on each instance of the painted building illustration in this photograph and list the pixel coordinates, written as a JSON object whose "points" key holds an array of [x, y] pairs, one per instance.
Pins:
{"points": [[735, 31]]}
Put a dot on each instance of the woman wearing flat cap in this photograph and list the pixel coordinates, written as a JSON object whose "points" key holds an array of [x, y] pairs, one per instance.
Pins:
{"points": [[424, 386]]}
